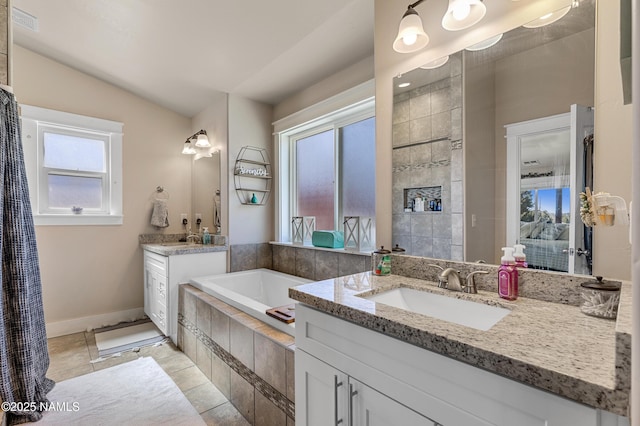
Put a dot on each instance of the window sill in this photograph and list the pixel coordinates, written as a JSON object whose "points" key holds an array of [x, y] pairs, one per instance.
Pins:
{"points": [[311, 247], [80, 219]]}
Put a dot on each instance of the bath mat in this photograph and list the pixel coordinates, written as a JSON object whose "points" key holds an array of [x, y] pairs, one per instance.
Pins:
{"points": [[284, 313], [127, 338], [135, 393]]}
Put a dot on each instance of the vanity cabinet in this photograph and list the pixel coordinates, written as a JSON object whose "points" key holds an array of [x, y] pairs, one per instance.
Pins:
{"points": [[162, 276], [399, 383], [334, 398]]}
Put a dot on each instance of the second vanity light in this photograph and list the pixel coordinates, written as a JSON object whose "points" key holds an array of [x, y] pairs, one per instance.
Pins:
{"points": [[461, 14], [202, 141]]}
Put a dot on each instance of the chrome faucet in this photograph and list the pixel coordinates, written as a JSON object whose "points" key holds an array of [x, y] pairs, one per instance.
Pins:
{"points": [[470, 285], [193, 238]]}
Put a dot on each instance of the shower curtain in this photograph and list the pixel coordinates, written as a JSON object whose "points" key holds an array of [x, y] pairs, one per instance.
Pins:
{"points": [[24, 358]]}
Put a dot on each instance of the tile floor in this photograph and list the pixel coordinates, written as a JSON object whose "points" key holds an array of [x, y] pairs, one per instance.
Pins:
{"points": [[71, 355]]}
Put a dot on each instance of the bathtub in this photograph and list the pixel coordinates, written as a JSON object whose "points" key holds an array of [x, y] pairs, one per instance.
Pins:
{"points": [[253, 292]]}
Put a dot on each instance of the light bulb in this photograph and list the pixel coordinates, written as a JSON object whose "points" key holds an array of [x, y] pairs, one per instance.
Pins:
{"points": [[461, 11], [410, 39]]}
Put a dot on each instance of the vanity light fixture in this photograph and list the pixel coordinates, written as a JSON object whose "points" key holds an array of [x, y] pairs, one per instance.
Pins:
{"points": [[411, 36], [485, 44], [461, 14], [403, 85], [436, 63], [202, 141], [547, 19], [188, 148]]}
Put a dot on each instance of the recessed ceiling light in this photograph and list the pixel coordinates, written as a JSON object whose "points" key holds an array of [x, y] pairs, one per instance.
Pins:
{"points": [[402, 85], [485, 44]]}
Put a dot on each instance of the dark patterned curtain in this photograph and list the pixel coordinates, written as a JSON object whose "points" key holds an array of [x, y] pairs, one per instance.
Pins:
{"points": [[24, 358]]}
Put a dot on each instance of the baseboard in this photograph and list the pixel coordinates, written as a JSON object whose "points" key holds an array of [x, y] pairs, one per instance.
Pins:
{"points": [[76, 325]]}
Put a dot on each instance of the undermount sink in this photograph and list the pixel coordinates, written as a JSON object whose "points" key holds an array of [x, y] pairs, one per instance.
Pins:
{"points": [[463, 312]]}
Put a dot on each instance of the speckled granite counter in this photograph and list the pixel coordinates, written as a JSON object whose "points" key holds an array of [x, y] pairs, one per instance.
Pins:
{"points": [[172, 249], [551, 346]]}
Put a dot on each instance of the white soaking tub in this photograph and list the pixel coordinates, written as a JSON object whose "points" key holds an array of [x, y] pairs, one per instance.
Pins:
{"points": [[253, 292]]}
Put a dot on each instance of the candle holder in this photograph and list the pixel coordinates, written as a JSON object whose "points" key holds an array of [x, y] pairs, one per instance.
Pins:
{"points": [[358, 233], [302, 228]]}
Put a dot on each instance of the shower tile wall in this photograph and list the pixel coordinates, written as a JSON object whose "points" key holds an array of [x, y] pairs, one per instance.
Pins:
{"points": [[427, 151]]}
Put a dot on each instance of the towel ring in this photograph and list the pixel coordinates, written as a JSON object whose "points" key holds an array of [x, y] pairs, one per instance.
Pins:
{"points": [[161, 193]]}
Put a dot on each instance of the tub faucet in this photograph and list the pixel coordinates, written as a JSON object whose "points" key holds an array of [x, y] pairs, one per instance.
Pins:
{"points": [[450, 279]]}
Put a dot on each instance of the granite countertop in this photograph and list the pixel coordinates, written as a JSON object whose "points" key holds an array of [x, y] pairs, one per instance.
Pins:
{"points": [[177, 248], [551, 346]]}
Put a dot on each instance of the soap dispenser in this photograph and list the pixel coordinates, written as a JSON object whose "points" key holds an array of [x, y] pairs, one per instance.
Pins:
{"points": [[206, 236], [508, 275], [519, 256]]}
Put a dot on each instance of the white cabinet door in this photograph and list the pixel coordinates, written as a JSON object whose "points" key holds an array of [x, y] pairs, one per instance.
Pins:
{"points": [[321, 393], [155, 290], [371, 408]]}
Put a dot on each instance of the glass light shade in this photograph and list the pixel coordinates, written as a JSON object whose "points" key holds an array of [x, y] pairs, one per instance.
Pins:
{"points": [[462, 14], [203, 141], [188, 148], [411, 36], [436, 63], [485, 44], [547, 19]]}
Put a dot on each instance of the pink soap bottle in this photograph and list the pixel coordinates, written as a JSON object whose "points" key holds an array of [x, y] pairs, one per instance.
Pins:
{"points": [[519, 256], [508, 275]]}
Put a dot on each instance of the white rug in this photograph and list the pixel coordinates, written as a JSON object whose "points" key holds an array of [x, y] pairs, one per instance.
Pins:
{"points": [[126, 338], [135, 393]]}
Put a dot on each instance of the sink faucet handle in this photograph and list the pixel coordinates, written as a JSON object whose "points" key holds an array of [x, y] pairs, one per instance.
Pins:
{"points": [[470, 286], [442, 282]]}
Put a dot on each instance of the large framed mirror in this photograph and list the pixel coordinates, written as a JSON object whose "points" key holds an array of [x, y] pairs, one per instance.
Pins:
{"points": [[450, 146]]}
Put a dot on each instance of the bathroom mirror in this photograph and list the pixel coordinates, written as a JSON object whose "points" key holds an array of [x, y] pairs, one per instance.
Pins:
{"points": [[205, 190], [449, 136]]}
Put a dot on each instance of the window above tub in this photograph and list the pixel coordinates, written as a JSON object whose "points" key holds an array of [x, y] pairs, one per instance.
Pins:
{"points": [[326, 161]]}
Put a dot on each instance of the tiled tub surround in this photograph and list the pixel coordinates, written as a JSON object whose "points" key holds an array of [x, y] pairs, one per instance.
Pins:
{"points": [[249, 361], [427, 152], [309, 262], [552, 346]]}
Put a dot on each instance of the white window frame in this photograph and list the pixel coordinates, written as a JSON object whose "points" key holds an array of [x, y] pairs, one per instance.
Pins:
{"points": [[349, 107], [35, 122]]}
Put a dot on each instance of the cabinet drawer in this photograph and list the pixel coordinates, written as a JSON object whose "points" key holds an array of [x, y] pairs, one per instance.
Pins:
{"points": [[155, 262]]}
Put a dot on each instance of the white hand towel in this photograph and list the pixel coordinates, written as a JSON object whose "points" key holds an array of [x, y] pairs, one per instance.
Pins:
{"points": [[160, 214]]}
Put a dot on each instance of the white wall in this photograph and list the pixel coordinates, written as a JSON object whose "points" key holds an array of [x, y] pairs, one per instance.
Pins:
{"points": [[612, 145], [249, 124], [94, 273], [343, 80]]}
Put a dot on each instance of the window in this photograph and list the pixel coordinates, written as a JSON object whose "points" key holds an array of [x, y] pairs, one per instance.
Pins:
{"points": [[327, 168], [74, 167]]}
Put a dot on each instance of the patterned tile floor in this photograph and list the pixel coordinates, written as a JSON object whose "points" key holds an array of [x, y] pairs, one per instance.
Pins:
{"points": [[71, 355]]}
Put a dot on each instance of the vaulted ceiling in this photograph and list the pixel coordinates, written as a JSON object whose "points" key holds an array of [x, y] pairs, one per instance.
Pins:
{"points": [[184, 54]]}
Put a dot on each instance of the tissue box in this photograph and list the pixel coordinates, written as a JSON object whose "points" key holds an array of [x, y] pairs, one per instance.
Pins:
{"points": [[328, 239]]}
